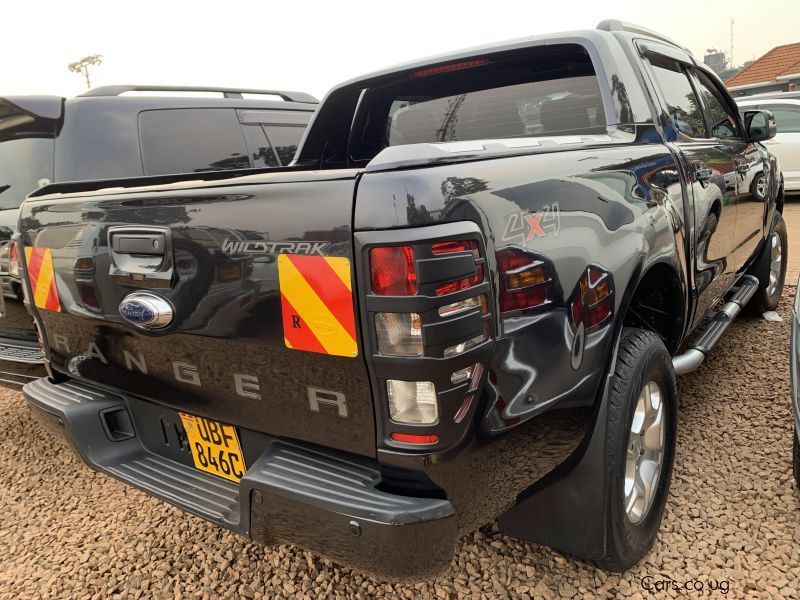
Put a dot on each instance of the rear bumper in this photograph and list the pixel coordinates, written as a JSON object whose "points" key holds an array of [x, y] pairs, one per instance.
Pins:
{"points": [[326, 502]]}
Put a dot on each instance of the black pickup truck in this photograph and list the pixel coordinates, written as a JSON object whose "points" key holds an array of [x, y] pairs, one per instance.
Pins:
{"points": [[467, 299]]}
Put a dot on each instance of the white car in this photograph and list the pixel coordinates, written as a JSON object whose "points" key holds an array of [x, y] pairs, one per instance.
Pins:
{"points": [[786, 144]]}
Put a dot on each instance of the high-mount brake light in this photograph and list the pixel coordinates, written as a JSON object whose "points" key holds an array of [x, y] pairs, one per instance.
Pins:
{"points": [[467, 64], [392, 271], [593, 301], [523, 280], [413, 438]]}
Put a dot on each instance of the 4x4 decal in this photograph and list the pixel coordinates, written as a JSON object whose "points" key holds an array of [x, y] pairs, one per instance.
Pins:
{"points": [[524, 226]]}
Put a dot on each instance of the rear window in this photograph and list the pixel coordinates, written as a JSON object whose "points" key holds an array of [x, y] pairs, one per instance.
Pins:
{"points": [[191, 140], [26, 164], [551, 91]]}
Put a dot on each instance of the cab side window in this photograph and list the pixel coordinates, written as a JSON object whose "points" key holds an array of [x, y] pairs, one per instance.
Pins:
{"points": [[682, 103], [721, 119], [191, 141], [786, 118]]}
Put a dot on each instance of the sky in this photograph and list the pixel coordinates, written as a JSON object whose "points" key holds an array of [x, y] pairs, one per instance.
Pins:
{"points": [[313, 45]]}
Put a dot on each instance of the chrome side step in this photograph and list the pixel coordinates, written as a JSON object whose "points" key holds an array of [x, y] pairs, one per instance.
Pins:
{"points": [[694, 356]]}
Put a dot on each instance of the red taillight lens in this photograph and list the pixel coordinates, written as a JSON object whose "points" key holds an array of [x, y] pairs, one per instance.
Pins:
{"points": [[456, 246], [13, 263], [462, 284], [523, 280], [392, 271], [411, 438], [451, 247], [523, 299]]}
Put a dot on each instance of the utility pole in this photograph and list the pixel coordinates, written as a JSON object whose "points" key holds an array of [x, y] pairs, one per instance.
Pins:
{"points": [[730, 56], [81, 66]]}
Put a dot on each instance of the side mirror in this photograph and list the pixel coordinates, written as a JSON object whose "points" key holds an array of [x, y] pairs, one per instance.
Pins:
{"points": [[760, 125]]}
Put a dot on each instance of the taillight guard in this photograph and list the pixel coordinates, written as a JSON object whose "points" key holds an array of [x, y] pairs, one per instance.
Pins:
{"points": [[526, 281], [429, 340], [592, 302]]}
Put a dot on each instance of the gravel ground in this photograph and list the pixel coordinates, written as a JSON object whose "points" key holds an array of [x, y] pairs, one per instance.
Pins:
{"points": [[732, 521]]}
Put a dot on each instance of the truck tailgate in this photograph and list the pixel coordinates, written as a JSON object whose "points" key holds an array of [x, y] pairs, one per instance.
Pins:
{"points": [[259, 282]]}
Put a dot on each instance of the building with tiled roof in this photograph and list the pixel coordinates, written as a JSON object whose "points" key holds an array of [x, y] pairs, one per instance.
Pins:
{"points": [[777, 71]]}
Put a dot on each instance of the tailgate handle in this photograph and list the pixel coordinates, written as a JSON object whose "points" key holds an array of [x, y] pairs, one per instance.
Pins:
{"points": [[139, 243]]}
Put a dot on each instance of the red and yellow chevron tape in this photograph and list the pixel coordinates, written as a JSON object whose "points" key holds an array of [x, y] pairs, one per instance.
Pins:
{"points": [[42, 278], [317, 304]]}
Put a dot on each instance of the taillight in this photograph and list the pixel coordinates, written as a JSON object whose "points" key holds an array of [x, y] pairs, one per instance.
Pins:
{"points": [[427, 323], [593, 300], [451, 247], [523, 280], [448, 310], [412, 401], [412, 438], [456, 246], [13, 262], [399, 334], [392, 271]]}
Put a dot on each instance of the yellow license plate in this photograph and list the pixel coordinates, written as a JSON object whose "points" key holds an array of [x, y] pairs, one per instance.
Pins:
{"points": [[215, 447]]}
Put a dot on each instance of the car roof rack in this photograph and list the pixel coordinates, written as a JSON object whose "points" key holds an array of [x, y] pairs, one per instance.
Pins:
{"points": [[617, 25], [117, 90]]}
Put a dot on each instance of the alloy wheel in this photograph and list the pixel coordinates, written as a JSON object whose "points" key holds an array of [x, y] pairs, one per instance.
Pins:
{"points": [[645, 452], [776, 259]]}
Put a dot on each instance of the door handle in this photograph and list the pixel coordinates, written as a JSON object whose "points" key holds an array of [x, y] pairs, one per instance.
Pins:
{"points": [[138, 243], [141, 256], [703, 174]]}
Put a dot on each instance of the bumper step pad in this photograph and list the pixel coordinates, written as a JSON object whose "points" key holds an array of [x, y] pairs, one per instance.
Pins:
{"points": [[328, 502], [29, 353]]}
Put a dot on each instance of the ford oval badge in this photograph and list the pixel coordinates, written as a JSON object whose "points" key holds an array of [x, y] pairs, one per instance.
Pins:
{"points": [[146, 310]]}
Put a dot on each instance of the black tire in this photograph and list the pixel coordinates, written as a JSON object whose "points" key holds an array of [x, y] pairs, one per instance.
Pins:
{"points": [[796, 460], [642, 358], [763, 301], [758, 181]]}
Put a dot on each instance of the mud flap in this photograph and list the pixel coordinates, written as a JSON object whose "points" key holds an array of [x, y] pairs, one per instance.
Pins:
{"points": [[567, 510]]}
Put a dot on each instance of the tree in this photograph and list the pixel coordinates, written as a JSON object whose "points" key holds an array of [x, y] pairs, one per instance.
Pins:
{"points": [[82, 66]]}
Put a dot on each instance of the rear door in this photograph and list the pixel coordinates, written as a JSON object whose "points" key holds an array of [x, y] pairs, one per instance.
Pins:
{"points": [[711, 165], [260, 283]]}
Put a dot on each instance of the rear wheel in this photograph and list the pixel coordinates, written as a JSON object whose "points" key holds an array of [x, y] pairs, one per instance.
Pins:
{"points": [[640, 446], [771, 270]]}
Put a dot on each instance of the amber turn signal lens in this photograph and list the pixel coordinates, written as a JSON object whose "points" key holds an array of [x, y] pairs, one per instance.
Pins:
{"points": [[526, 278]]}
